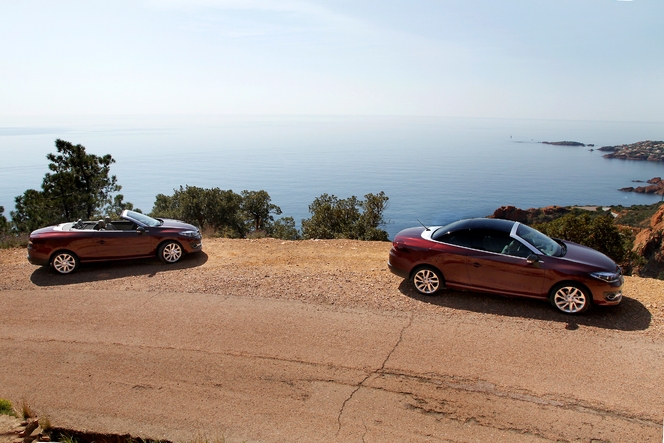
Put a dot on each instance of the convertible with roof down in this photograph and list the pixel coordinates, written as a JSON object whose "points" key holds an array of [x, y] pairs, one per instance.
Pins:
{"points": [[135, 235], [506, 257]]}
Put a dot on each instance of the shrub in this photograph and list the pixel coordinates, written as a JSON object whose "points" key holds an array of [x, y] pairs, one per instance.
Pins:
{"points": [[350, 218], [79, 185], [223, 212], [6, 408], [13, 240], [284, 228], [600, 233]]}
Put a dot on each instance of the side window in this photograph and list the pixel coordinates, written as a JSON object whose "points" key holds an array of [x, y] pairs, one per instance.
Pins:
{"points": [[495, 241], [517, 249], [457, 238]]}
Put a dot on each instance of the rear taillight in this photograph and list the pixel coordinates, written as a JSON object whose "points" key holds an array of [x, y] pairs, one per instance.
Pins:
{"points": [[399, 246]]}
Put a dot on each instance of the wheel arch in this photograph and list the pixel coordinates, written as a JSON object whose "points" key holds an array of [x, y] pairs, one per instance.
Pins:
{"points": [[168, 240], [570, 282], [60, 251], [425, 266]]}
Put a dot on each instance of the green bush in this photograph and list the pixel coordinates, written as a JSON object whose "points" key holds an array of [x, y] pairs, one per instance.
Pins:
{"points": [[77, 186], [350, 218], [284, 228], [6, 408], [599, 232], [227, 214]]}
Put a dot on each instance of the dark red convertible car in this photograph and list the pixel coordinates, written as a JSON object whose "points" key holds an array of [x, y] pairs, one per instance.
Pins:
{"points": [[136, 235], [506, 257]]}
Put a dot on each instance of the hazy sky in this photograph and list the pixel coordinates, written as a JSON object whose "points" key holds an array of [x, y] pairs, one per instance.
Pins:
{"points": [[557, 59]]}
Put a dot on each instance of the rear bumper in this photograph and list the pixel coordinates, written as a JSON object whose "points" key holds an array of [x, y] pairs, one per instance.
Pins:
{"points": [[37, 261], [396, 271]]}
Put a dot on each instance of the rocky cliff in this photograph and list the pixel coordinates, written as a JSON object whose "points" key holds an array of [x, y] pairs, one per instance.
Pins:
{"points": [[655, 186], [649, 244], [530, 216], [646, 150]]}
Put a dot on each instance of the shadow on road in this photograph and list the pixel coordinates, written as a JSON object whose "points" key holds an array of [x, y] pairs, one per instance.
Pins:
{"points": [[92, 272], [629, 315]]}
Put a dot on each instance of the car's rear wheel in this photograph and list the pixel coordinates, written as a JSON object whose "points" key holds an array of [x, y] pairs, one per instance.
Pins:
{"points": [[170, 252], [570, 298], [64, 262], [427, 281]]}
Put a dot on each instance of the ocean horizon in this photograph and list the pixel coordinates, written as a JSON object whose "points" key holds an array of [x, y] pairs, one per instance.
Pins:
{"points": [[433, 169]]}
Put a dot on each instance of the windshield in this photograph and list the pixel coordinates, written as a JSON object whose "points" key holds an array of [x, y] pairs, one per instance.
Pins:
{"points": [[151, 222], [543, 243]]}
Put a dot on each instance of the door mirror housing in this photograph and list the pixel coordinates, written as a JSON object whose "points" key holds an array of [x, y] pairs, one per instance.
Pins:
{"points": [[532, 259]]}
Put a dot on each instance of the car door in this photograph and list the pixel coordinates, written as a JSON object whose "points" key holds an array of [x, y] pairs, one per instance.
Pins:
{"points": [[498, 262], [116, 244], [450, 256]]}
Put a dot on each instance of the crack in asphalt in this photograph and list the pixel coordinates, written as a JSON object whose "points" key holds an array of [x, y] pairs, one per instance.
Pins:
{"points": [[490, 389], [382, 367], [449, 382]]}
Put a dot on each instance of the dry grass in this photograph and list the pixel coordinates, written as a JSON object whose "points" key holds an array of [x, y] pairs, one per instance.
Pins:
{"points": [[45, 423], [26, 410]]}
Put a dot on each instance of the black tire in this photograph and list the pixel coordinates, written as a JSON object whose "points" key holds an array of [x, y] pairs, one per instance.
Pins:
{"points": [[427, 280], [64, 262], [570, 298], [170, 252]]}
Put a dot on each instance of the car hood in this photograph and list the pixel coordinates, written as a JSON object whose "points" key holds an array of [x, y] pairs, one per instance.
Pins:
{"points": [[583, 254], [177, 224]]}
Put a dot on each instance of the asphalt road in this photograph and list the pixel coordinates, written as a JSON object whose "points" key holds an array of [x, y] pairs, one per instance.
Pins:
{"points": [[174, 366]]}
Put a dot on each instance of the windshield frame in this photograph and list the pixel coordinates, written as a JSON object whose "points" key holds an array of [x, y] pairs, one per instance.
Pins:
{"points": [[541, 242], [141, 219]]}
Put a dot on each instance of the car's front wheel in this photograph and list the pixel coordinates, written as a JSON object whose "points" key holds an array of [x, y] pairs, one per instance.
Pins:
{"points": [[170, 252], [570, 298], [427, 281], [64, 262]]}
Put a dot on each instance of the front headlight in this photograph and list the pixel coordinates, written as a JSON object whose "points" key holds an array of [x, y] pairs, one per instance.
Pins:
{"points": [[609, 277], [190, 234]]}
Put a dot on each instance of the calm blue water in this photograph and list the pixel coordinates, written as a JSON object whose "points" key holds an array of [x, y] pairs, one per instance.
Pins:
{"points": [[433, 169]]}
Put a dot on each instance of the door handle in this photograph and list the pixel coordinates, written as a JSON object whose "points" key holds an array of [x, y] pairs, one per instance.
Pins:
{"points": [[477, 265], [101, 242]]}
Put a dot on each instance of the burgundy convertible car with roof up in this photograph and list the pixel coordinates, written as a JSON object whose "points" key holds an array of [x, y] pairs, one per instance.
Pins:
{"points": [[136, 235], [506, 257]]}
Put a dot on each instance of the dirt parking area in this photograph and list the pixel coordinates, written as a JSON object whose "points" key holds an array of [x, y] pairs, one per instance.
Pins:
{"points": [[342, 273]]}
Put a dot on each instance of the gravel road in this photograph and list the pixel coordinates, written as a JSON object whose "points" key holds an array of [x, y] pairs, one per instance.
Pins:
{"points": [[266, 340]]}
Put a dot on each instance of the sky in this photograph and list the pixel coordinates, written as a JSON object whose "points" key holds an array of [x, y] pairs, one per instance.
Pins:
{"points": [[545, 59]]}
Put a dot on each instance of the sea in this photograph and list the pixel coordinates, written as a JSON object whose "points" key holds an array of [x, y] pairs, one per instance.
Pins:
{"points": [[433, 169]]}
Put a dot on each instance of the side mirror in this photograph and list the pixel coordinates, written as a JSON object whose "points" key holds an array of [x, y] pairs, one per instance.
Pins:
{"points": [[532, 259], [140, 229]]}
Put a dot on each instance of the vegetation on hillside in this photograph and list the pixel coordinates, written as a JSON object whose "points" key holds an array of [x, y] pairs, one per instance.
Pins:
{"points": [[78, 187], [224, 212], [636, 216], [352, 218], [598, 231]]}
